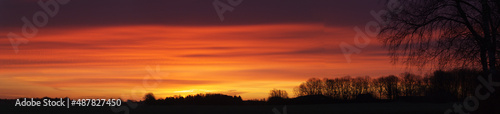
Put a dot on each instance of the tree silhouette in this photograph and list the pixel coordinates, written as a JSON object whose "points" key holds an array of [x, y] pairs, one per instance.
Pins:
{"points": [[345, 87], [391, 85], [379, 86], [411, 84], [313, 86], [277, 96], [447, 32], [149, 98], [278, 93], [361, 85]]}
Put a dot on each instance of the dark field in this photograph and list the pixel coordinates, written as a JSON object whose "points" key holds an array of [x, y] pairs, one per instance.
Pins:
{"points": [[348, 108]]}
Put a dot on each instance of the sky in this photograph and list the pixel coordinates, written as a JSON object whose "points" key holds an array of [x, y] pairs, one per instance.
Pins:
{"points": [[125, 48]]}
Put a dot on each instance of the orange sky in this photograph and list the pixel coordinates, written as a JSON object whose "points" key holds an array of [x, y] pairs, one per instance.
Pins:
{"points": [[246, 60]]}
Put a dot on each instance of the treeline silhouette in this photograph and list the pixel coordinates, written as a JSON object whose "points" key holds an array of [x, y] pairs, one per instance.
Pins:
{"points": [[439, 86], [198, 99]]}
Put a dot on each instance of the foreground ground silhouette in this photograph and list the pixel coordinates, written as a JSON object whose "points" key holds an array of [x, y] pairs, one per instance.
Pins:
{"points": [[356, 108]]}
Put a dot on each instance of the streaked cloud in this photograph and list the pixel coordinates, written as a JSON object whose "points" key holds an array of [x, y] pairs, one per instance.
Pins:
{"points": [[100, 48]]}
